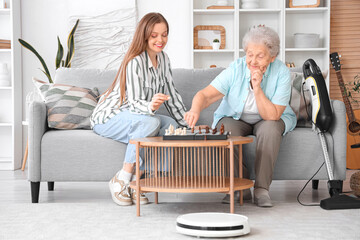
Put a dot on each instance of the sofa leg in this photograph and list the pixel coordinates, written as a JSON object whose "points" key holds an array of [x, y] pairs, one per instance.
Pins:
{"points": [[50, 186], [315, 184], [35, 189]]}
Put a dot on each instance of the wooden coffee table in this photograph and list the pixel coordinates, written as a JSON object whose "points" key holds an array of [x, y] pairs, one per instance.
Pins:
{"points": [[189, 166]]}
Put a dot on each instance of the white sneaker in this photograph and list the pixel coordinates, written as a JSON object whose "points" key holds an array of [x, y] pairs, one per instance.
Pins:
{"points": [[120, 192], [143, 198], [246, 196]]}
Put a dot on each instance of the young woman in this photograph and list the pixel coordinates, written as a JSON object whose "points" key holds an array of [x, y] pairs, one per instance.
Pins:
{"points": [[127, 109]]}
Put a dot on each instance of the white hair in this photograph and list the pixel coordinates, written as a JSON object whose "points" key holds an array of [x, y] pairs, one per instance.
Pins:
{"points": [[263, 35]]}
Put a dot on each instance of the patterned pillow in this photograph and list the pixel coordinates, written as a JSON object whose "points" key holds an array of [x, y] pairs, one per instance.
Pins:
{"points": [[68, 107], [297, 102]]}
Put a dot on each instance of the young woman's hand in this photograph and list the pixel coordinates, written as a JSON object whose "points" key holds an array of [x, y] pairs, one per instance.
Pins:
{"points": [[191, 117], [157, 100]]}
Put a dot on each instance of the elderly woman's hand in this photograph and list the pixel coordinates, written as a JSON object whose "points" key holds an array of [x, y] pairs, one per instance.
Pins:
{"points": [[256, 77], [191, 117]]}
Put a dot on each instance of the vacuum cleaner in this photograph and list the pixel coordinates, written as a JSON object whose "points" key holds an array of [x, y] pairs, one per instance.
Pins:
{"points": [[321, 119], [212, 224]]}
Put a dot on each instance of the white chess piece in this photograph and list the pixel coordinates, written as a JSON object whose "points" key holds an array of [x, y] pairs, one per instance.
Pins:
{"points": [[171, 129], [178, 131]]}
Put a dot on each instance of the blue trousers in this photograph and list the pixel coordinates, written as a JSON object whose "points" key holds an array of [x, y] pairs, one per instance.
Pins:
{"points": [[125, 126]]}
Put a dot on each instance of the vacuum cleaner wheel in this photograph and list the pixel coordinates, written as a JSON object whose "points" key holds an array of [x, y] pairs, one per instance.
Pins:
{"points": [[212, 224]]}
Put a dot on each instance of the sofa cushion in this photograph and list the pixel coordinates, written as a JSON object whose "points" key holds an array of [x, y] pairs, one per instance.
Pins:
{"points": [[300, 156], [79, 155], [87, 78], [297, 102], [68, 107]]}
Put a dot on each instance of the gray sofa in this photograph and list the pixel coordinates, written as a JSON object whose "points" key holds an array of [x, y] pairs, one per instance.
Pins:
{"points": [[82, 155]]}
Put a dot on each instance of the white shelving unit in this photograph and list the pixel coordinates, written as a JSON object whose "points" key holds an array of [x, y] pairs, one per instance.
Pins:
{"points": [[275, 14], [11, 97]]}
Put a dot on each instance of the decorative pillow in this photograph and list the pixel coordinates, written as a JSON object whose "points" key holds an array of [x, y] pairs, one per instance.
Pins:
{"points": [[68, 107], [297, 102]]}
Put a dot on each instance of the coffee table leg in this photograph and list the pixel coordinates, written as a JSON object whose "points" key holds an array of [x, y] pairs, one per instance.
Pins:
{"points": [[232, 177], [156, 197], [241, 174], [137, 180]]}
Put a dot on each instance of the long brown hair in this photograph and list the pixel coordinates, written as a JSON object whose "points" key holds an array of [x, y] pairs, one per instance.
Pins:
{"points": [[138, 45]]}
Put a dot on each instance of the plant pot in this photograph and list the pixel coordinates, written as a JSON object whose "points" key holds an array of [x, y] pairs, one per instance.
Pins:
{"points": [[216, 45]]}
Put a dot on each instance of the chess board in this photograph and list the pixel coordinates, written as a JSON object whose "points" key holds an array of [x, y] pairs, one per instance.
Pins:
{"points": [[198, 136]]}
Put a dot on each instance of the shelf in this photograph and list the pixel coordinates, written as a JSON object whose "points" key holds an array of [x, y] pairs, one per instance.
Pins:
{"points": [[306, 10], [191, 184], [214, 11], [5, 50], [25, 123], [259, 10], [275, 14], [5, 11], [5, 159], [213, 51], [5, 124], [305, 49], [5, 88]]}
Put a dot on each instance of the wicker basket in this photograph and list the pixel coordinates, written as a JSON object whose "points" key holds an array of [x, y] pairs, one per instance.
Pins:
{"points": [[355, 183]]}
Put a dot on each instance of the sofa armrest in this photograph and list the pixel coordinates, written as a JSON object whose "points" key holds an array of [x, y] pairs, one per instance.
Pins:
{"points": [[338, 132], [37, 128]]}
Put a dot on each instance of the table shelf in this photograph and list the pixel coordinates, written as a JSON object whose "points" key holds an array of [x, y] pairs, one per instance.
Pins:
{"points": [[191, 184]]}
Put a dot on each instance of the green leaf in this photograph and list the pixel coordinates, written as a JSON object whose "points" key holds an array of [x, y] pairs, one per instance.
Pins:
{"points": [[70, 53], [59, 55], [71, 45], [48, 76], [29, 47]]}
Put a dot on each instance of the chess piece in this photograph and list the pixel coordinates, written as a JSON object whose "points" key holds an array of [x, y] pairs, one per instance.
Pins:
{"points": [[192, 130], [199, 129], [214, 131], [183, 132], [207, 129], [222, 129], [171, 129]]}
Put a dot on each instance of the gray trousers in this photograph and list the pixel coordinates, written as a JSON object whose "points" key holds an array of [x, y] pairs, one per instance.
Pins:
{"points": [[268, 139]]}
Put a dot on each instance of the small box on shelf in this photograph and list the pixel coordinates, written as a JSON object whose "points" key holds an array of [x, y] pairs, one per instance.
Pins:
{"points": [[304, 3]]}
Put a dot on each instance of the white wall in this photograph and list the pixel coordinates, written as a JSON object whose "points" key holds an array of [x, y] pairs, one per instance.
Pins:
{"points": [[43, 20]]}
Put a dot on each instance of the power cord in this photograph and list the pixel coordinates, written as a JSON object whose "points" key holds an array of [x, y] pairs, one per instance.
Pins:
{"points": [[298, 196]]}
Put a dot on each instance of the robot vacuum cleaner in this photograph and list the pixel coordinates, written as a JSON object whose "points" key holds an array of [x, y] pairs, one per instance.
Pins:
{"points": [[212, 224]]}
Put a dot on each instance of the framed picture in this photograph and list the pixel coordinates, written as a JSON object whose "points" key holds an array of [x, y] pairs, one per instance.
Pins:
{"points": [[205, 34], [304, 3]]}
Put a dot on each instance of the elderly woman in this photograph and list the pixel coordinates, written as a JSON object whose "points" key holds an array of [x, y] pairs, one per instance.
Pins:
{"points": [[255, 92]]}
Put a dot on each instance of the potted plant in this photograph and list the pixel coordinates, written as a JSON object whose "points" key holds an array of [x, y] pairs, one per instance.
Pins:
{"points": [[216, 44]]}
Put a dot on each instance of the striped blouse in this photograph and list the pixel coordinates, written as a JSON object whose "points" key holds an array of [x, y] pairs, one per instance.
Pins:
{"points": [[143, 81]]}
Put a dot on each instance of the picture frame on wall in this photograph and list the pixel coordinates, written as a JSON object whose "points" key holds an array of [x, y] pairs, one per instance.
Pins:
{"points": [[205, 34], [304, 3]]}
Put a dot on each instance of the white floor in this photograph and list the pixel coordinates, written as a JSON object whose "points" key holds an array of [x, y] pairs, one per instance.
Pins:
{"points": [[86, 211]]}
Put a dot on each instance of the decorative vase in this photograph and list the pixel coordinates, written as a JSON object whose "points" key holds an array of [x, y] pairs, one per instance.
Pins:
{"points": [[216, 45], [5, 79], [222, 3], [250, 4]]}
